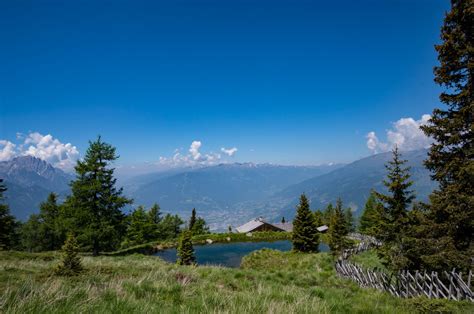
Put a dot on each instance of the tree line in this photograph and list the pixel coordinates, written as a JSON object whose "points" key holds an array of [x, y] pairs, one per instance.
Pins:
{"points": [[93, 213], [437, 235]]}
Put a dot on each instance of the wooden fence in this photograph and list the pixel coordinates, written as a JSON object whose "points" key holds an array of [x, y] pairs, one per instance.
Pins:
{"points": [[449, 285]]}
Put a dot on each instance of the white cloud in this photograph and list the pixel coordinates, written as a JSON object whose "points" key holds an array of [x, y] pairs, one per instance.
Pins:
{"points": [[45, 147], [194, 157], [405, 133], [194, 150], [229, 151], [7, 150]]}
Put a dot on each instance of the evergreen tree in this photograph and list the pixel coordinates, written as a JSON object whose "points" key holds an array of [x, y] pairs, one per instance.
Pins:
{"points": [[8, 223], [155, 214], [371, 218], [200, 227], [50, 224], [71, 262], [283, 220], [338, 229], [139, 229], [305, 236], [450, 216], [170, 226], [185, 249], [192, 220], [327, 214], [394, 217], [30, 236], [95, 204], [349, 219], [318, 218], [154, 221]]}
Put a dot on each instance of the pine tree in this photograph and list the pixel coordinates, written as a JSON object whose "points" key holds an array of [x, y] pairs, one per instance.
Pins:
{"points": [[327, 214], [155, 219], [371, 218], [349, 217], [305, 236], [155, 214], [338, 229], [30, 235], [185, 249], [450, 216], [139, 229], [95, 204], [170, 227], [192, 220], [394, 217], [8, 223], [71, 262], [51, 229]]}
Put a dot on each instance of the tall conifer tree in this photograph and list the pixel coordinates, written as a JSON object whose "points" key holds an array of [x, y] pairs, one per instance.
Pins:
{"points": [[450, 217], [185, 249], [95, 204], [8, 223], [394, 216], [305, 235], [338, 229]]}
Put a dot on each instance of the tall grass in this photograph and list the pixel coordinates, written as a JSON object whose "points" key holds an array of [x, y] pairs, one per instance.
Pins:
{"points": [[268, 282]]}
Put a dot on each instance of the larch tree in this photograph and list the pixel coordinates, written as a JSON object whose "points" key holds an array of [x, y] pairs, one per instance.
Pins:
{"points": [[305, 236], [450, 217], [95, 203]]}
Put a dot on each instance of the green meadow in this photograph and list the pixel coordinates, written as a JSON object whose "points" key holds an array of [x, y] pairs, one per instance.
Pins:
{"points": [[267, 282]]}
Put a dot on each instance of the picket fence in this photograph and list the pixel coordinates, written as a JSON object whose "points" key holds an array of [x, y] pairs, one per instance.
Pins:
{"points": [[405, 284]]}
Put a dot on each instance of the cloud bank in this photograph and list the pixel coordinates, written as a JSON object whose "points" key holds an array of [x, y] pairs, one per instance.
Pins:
{"points": [[45, 147], [194, 157], [405, 133]]}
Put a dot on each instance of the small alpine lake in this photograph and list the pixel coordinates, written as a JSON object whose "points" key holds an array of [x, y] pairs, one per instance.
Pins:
{"points": [[229, 254]]}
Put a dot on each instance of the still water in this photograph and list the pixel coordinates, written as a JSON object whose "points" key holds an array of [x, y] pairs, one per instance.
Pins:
{"points": [[229, 254]]}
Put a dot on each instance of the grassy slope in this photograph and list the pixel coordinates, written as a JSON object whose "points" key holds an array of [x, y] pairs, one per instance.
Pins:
{"points": [[269, 281]]}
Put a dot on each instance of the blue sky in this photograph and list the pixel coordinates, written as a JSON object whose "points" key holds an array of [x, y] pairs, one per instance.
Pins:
{"points": [[289, 82]]}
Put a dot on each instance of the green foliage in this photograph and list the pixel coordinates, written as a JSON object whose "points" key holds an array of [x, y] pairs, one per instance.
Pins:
{"points": [[371, 218], [51, 228], [141, 228], [318, 218], [71, 262], [192, 220], [395, 212], [327, 214], [450, 216], [170, 226], [155, 214], [94, 208], [30, 236], [8, 223], [305, 235], [338, 230], [349, 218], [185, 249]]}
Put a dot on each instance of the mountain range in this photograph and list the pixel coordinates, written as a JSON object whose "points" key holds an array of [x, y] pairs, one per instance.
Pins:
{"points": [[226, 194]]}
